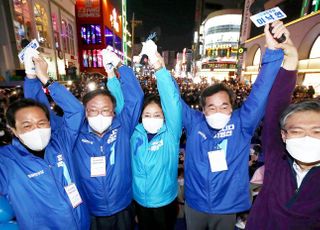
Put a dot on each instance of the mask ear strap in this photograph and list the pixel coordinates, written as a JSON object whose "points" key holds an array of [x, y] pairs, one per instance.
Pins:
{"points": [[283, 135]]}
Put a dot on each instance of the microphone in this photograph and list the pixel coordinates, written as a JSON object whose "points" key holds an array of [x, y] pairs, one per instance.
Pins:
{"points": [[261, 17]]}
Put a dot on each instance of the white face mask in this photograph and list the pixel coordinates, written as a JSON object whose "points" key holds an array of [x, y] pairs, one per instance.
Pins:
{"points": [[305, 149], [218, 120], [36, 139], [100, 123], [152, 125]]}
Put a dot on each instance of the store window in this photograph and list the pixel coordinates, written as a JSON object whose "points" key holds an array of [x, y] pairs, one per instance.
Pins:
{"points": [[91, 34], [315, 50], [257, 57], [112, 39], [42, 25], [67, 37], [22, 21], [92, 58], [56, 33], [71, 39], [64, 36]]}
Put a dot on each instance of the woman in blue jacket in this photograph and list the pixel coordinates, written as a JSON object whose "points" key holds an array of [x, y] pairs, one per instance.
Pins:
{"points": [[155, 151]]}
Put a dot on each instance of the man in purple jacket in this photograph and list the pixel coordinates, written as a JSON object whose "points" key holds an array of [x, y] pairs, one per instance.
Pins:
{"points": [[290, 196]]}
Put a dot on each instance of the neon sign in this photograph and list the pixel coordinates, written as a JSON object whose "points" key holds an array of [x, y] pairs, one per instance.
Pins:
{"points": [[114, 20]]}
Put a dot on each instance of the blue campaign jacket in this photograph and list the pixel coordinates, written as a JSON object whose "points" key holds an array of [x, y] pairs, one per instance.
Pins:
{"points": [[226, 191], [107, 195], [155, 163], [35, 186]]}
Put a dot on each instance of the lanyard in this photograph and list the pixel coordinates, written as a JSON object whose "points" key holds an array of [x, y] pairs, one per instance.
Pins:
{"points": [[66, 174]]}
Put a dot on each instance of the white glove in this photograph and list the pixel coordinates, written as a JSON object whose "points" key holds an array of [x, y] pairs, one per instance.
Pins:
{"points": [[110, 59], [28, 63], [149, 48]]}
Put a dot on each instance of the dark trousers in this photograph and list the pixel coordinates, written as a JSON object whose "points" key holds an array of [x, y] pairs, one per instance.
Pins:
{"points": [[123, 220], [162, 218], [201, 221]]}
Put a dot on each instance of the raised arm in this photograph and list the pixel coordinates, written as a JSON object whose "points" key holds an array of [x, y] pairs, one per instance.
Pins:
{"points": [[73, 110], [169, 97], [279, 99], [253, 108], [133, 96], [130, 87], [113, 85]]}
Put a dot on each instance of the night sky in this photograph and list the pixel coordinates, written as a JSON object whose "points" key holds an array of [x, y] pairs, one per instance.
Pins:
{"points": [[174, 17]]}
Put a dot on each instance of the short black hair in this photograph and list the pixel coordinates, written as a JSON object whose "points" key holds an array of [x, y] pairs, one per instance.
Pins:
{"points": [[213, 89], [90, 95], [151, 98], [21, 104]]}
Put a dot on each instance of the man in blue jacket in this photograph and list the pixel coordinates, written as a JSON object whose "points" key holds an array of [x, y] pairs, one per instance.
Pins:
{"points": [[218, 143], [36, 172], [102, 151]]}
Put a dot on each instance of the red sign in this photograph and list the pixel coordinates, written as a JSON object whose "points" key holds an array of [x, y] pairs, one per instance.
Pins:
{"points": [[88, 8]]}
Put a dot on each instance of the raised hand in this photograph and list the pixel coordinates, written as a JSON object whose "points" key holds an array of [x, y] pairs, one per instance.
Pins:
{"points": [[110, 60], [278, 30], [149, 48], [41, 68], [28, 62]]}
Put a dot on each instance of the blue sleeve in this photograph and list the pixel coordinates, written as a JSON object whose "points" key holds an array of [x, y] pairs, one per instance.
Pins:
{"points": [[3, 180], [33, 90], [133, 97], [253, 109], [170, 101], [113, 85], [73, 110], [189, 116]]}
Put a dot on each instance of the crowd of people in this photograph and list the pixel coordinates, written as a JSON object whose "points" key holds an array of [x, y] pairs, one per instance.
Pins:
{"points": [[135, 149], [190, 92]]}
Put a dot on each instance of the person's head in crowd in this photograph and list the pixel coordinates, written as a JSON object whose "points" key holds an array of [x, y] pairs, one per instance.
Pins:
{"points": [[29, 121], [300, 130], [99, 105], [152, 115], [217, 104]]}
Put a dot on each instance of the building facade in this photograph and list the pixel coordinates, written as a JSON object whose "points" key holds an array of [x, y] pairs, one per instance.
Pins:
{"points": [[51, 22], [303, 22], [219, 43], [99, 25]]}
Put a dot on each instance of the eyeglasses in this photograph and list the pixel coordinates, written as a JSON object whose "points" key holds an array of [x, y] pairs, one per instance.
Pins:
{"points": [[95, 112], [296, 133]]}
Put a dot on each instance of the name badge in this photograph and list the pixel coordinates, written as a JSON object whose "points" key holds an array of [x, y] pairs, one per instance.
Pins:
{"points": [[217, 160], [73, 195], [268, 16], [98, 166]]}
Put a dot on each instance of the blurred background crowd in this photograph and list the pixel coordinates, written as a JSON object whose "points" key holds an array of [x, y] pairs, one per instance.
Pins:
{"points": [[190, 92]]}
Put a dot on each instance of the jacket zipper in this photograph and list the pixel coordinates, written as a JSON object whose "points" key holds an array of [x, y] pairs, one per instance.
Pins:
{"points": [[298, 190], [63, 195]]}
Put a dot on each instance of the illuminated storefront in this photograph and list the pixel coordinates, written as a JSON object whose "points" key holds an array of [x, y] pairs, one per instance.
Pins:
{"points": [[99, 24], [220, 43], [52, 24], [304, 27]]}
